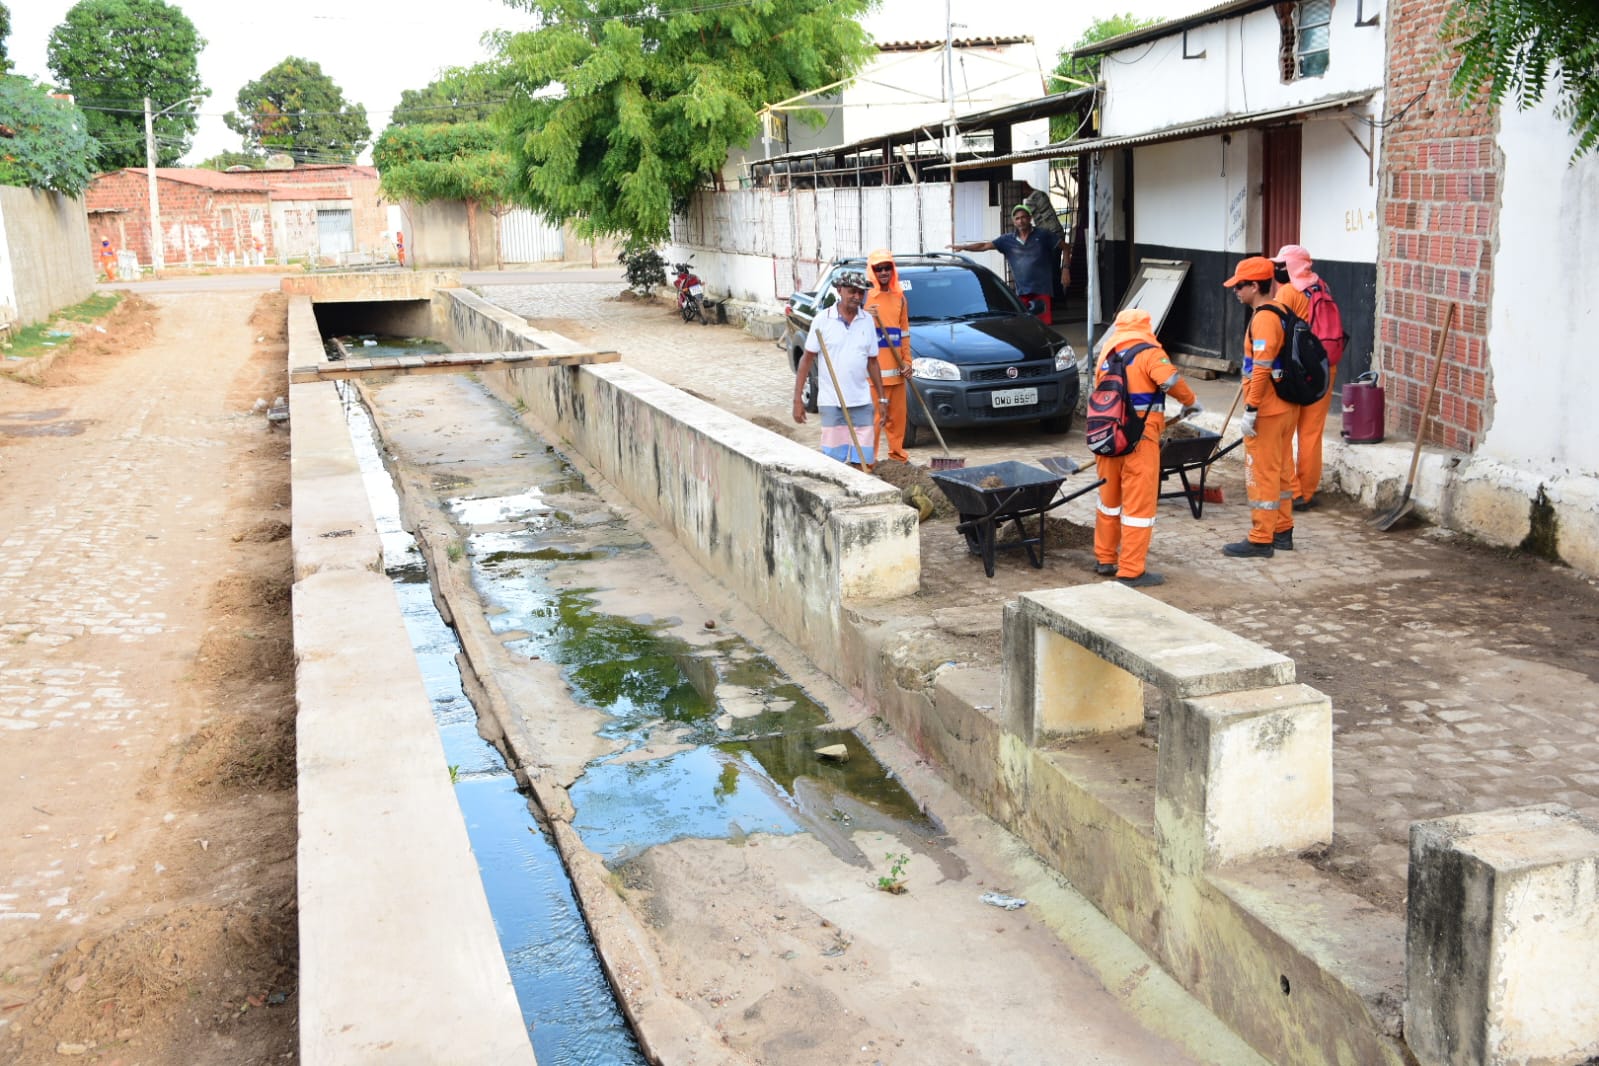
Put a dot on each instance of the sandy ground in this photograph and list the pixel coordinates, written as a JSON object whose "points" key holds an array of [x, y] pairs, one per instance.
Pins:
{"points": [[146, 695]]}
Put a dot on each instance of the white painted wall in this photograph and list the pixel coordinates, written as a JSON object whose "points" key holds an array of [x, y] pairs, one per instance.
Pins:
{"points": [[1180, 193], [1543, 320], [8, 278], [1338, 196], [1151, 86]]}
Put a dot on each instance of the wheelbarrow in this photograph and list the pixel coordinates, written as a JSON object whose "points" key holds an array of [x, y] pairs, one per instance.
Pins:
{"points": [[988, 497], [1185, 455]]}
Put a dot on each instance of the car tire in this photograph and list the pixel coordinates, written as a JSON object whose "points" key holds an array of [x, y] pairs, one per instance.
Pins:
{"points": [[1058, 424], [911, 432], [808, 391]]}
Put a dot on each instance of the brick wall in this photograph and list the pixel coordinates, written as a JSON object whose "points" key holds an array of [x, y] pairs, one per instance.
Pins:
{"points": [[1441, 174]]}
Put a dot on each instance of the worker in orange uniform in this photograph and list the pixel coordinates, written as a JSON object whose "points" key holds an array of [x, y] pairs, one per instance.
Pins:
{"points": [[1131, 492], [1296, 278], [886, 304], [399, 247], [108, 259], [1269, 420]]}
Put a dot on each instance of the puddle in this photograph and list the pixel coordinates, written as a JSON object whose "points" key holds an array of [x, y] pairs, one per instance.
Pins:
{"points": [[33, 416]]}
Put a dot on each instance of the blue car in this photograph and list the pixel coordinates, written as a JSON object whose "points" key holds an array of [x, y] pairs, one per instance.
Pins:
{"points": [[977, 357]]}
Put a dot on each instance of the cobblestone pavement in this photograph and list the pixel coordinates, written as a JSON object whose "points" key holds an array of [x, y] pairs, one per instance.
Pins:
{"points": [[1462, 678]]}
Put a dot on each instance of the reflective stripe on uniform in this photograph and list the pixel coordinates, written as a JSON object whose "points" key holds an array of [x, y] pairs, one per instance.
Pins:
{"points": [[1286, 496], [1263, 505], [1137, 523], [889, 373], [1110, 512]]}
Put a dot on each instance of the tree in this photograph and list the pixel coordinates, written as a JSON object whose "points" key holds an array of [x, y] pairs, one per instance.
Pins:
{"points": [[461, 161], [1072, 73], [295, 108], [5, 31], [111, 54], [224, 160], [44, 141], [1528, 48], [653, 93], [456, 95]]}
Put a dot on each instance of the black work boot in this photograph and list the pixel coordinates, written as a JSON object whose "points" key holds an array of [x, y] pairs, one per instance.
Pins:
{"points": [[1143, 581], [1248, 549], [1104, 569], [1283, 542]]}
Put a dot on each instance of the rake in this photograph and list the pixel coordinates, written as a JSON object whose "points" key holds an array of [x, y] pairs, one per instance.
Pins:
{"points": [[946, 461]]}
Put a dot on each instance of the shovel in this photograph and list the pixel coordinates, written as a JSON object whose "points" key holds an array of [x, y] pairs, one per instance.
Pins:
{"points": [[838, 391], [1386, 521]]}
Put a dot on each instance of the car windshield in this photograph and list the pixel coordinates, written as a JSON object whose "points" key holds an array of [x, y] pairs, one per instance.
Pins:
{"points": [[950, 292]]}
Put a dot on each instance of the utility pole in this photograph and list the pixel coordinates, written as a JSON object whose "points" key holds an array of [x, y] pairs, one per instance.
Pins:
{"points": [[949, 85], [158, 259]]}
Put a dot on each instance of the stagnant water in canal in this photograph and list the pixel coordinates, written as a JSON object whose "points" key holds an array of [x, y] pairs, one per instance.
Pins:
{"points": [[742, 736]]}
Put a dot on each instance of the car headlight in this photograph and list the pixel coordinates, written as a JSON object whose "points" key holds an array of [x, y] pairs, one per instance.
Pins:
{"points": [[1065, 357], [934, 370]]}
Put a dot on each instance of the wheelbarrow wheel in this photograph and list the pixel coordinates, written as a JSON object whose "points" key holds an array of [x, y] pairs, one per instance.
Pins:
{"points": [[974, 543]]}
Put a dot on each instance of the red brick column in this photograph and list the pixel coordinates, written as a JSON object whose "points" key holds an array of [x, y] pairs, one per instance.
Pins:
{"points": [[1441, 176]]}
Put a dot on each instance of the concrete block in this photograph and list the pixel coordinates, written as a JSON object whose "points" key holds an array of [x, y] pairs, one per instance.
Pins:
{"points": [[1244, 774], [1076, 658], [1502, 943], [878, 551], [1183, 655], [370, 286]]}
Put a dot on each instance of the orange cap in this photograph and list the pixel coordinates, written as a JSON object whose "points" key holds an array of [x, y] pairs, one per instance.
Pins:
{"points": [[1255, 268]]}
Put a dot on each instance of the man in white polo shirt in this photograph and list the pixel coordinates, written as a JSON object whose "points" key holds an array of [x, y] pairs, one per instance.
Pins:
{"points": [[850, 338]]}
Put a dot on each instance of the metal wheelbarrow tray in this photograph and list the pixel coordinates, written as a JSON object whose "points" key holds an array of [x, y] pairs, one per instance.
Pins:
{"points": [[1184, 455], [1023, 491]]}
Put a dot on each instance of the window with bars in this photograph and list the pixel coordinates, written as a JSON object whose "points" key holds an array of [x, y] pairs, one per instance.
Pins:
{"points": [[1314, 19]]}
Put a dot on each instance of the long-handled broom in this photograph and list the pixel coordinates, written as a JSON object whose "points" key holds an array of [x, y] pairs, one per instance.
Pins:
{"points": [[947, 461]]}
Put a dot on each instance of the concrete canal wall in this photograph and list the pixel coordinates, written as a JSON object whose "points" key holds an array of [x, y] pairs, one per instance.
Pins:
{"points": [[399, 959], [794, 534]]}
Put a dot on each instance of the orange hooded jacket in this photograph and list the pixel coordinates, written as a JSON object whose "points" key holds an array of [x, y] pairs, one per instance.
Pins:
{"points": [[886, 304]]}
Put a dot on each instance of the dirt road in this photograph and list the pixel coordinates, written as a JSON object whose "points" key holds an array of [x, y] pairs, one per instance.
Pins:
{"points": [[146, 695]]}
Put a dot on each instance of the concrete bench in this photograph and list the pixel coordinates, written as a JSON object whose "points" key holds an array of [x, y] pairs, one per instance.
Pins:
{"points": [[1245, 761]]}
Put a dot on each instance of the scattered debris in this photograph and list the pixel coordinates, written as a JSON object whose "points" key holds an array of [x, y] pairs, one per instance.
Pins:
{"points": [[836, 752], [1002, 901]]}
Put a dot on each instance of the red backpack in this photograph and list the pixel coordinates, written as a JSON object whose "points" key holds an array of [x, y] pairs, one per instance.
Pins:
{"points": [[1327, 323], [1114, 426]]}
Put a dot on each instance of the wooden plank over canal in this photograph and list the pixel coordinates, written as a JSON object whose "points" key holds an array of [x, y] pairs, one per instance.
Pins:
{"points": [[442, 363]]}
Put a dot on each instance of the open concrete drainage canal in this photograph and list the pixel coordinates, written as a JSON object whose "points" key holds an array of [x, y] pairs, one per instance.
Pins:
{"points": [[682, 729]]}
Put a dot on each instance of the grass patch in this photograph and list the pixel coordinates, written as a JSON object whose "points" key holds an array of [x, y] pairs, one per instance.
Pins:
{"points": [[33, 341]]}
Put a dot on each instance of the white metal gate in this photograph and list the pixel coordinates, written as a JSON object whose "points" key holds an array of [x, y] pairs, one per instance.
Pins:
{"points": [[335, 230], [528, 237]]}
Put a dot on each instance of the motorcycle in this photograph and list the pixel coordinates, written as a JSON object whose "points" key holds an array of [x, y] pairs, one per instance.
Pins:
{"points": [[690, 293]]}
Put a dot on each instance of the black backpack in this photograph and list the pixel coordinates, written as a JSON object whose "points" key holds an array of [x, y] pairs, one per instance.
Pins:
{"points": [[1114, 427], [1306, 374]]}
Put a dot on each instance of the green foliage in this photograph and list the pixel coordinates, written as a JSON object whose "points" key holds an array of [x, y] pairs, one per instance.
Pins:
{"points": [[296, 108], [653, 93], [5, 31], [111, 54], [1072, 73], [456, 95], [894, 880], [463, 161], [646, 270], [51, 147], [224, 160], [41, 337], [1527, 48]]}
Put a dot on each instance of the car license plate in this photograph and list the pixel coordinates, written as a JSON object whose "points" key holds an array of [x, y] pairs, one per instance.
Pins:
{"points": [[1013, 397], [697, 290]]}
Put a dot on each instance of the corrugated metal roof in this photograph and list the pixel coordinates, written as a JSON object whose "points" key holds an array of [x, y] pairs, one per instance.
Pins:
{"points": [[1090, 145], [1171, 26], [959, 42]]}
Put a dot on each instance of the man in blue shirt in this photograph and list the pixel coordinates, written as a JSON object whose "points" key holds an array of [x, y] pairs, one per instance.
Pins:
{"points": [[1032, 255]]}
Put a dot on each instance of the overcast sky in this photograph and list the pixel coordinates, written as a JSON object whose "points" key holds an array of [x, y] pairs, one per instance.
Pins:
{"points": [[375, 49]]}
